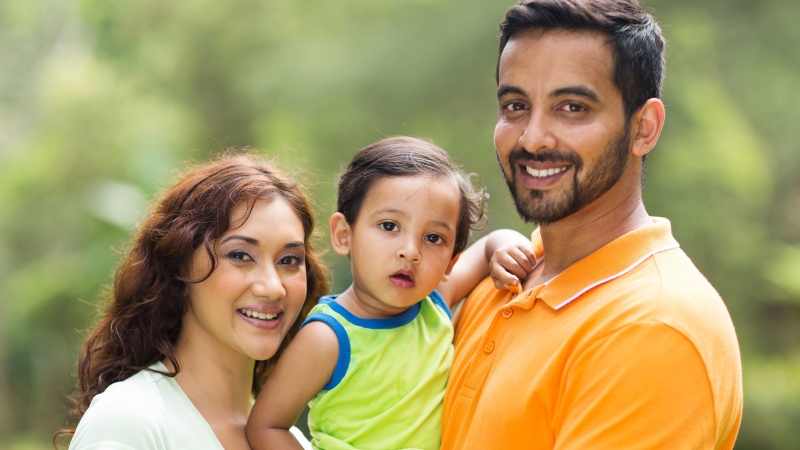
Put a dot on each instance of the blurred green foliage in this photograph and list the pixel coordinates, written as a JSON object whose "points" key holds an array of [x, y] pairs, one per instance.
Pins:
{"points": [[101, 100]]}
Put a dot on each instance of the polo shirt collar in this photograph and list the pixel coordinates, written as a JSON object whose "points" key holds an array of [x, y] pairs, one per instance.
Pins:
{"points": [[611, 261]]}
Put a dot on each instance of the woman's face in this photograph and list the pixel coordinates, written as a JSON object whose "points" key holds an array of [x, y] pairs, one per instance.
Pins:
{"points": [[255, 293]]}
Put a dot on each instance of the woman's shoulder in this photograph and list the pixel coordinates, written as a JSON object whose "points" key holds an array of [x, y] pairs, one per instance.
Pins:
{"points": [[146, 411], [128, 414]]}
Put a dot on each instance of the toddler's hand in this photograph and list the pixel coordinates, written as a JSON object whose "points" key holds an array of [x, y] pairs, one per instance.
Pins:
{"points": [[511, 264]]}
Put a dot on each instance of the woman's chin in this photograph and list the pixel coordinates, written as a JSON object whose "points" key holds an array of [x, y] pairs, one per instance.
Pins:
{"points": [[262, 352]]}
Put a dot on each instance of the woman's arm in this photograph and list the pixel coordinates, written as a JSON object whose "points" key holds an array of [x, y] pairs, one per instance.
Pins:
{"points": [[474, 263], [302, 371]]}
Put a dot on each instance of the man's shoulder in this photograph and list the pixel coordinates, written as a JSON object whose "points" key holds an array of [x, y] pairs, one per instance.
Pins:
{"points": [[668, 289]]}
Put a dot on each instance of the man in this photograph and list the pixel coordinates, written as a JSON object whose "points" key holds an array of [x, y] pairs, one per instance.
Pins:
{"points": [[616, 341]]}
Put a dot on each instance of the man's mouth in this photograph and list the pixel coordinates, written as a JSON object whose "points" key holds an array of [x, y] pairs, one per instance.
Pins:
{"points": [[543, 173], [542, 177]]}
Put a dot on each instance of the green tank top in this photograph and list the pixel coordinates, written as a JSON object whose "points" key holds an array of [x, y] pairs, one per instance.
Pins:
{"points": [[387, 389]]}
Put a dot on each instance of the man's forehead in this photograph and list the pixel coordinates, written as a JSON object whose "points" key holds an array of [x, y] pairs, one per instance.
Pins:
{"points": [[557, 56]]}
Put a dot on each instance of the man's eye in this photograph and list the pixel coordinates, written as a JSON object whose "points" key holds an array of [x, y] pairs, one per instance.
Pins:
{"points": [[434, 239], [573, 108], [514, 106], [388, 226]]}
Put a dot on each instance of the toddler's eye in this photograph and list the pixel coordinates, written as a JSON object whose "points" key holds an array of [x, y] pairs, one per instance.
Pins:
{"points": [[388, 226], [434, 239]]}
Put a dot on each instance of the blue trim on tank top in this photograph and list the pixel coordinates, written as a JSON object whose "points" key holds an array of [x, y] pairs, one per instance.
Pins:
{"points": [[343, 362], [397, 321], [437, 299]]}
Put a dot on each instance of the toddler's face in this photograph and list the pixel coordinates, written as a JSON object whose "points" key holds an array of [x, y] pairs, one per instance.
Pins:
{"points": [[402, 241]]}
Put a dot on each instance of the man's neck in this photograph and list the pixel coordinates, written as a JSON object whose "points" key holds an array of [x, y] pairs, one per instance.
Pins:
{"points": [[569, 240]]}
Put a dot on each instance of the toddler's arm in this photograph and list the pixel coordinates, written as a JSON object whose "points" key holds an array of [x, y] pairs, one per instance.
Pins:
{"points": [[474, 264], [301, 372]]}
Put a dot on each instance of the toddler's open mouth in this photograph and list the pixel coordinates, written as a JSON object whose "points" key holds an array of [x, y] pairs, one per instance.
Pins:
{"points": [[403, 278]]}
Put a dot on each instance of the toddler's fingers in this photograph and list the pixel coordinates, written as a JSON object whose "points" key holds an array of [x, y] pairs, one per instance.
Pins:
{"points": [[514, 262], [505, 280], [522, 260], [529, 255]]}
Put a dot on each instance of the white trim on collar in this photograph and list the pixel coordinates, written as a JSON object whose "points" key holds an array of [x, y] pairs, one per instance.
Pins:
{"points": [[616, 275]]}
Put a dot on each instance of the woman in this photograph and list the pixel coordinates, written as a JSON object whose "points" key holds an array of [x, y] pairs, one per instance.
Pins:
{"points": [[200, 310]]}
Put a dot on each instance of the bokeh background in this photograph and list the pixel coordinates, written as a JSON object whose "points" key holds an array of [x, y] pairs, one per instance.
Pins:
{"points": [[101, 101]]}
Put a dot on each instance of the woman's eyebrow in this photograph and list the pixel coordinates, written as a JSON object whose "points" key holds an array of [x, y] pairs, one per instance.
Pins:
{"points": [[249, 240], [294, 244]]}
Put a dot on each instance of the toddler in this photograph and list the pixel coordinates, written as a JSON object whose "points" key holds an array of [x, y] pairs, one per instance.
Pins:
{"points": [[372, 362]]}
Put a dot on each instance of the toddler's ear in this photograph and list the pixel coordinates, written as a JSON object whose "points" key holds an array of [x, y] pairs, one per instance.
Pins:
{"points": [[341, 234], [450, 266]]}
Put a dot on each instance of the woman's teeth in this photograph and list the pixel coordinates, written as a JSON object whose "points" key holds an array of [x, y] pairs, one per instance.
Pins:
{"points": [[545, 172], [258, 315]]}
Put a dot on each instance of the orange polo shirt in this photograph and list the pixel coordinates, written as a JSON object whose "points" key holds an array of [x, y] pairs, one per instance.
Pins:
{"points": [[629, 347]]}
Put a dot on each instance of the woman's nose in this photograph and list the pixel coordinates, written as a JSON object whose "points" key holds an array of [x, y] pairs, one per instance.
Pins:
{"points": [[268, 284]]}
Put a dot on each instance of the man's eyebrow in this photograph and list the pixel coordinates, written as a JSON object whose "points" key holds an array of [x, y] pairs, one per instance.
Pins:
{"points": [[580, 91], [505, 90]]}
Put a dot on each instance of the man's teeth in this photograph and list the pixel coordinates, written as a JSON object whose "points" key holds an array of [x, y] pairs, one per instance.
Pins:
{"points": [[545, 172], [258, 315]]}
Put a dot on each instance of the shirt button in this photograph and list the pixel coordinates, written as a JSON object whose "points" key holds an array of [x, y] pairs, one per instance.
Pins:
{"points": [[507, 313], [489, 347]]}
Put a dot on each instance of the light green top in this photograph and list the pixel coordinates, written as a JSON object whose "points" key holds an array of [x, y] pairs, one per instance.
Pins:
{"points": [[148, 411], [387, 389]]}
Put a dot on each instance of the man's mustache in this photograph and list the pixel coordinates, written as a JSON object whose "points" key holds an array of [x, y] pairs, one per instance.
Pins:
{"points": [[521, 155]]}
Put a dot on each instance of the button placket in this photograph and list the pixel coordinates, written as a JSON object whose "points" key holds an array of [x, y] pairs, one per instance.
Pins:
{"points": [[484, 357]]}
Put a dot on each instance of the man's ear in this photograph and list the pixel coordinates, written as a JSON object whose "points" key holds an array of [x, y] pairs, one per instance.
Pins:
{"points": [[647, 125], [450, 266], [341, 234]]}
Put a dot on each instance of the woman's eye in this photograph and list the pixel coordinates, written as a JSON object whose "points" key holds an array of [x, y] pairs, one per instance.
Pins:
{"points": [[388, 226], [434, 239], [290, 261], [239, 255]]}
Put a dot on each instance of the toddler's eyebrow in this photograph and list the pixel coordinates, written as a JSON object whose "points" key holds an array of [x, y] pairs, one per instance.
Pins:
{"points": [[390, 210]]}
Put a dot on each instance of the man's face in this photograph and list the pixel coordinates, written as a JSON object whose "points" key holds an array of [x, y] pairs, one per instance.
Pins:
{"points": [[561, 135]]}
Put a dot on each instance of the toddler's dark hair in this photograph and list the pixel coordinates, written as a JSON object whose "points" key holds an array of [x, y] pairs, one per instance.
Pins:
{"points": [[403, 156]]}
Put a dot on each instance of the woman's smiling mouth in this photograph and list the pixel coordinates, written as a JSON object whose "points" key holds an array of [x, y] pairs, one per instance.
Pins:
{"points": [[261, 319]]}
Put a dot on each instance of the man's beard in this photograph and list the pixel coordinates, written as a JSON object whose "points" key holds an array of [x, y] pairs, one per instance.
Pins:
{"points": [[538, 206]]}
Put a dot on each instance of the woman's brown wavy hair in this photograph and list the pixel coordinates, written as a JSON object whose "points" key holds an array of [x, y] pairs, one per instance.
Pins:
{"points": [[142, 321]]}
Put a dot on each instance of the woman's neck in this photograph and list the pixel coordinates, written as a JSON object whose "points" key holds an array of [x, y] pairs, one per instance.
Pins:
{"points": [[216, 380]]}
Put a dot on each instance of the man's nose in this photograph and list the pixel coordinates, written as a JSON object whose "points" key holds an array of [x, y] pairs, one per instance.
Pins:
{"points": [[538, 134]]}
